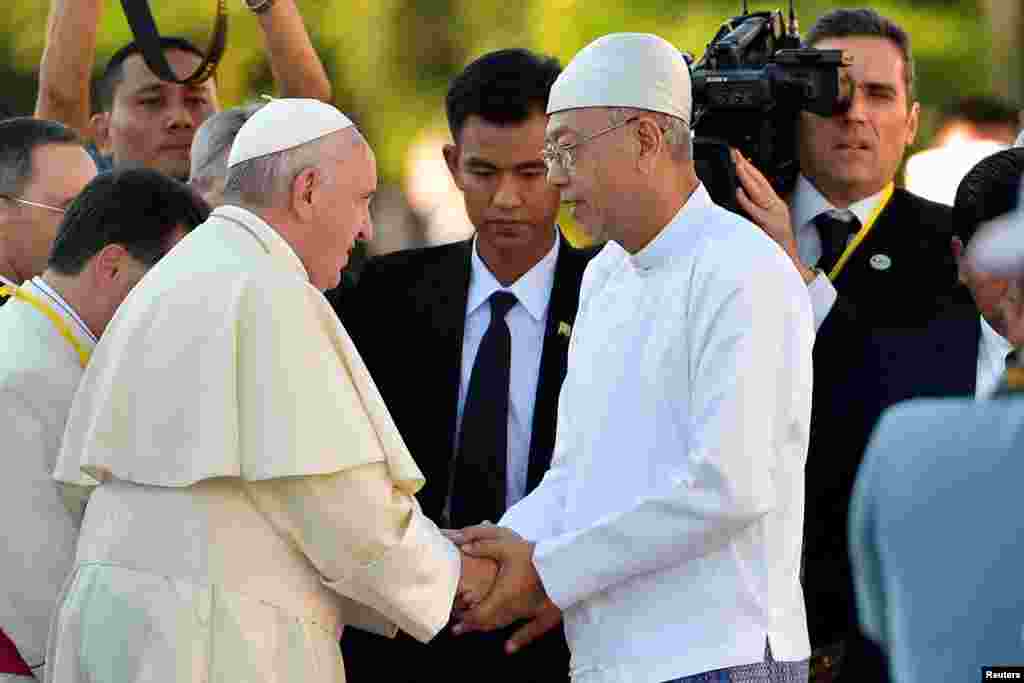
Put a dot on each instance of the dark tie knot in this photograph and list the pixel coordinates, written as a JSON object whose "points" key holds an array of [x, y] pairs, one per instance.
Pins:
{"points": [[837, 222], [501, 304], [835, 232], [1012, 359]]}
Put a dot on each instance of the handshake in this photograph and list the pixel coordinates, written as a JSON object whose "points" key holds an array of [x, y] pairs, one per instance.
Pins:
{"points": [[499, 585]]}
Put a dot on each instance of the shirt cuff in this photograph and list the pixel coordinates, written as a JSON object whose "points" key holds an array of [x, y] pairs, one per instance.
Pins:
{"points": [[413, 584], [823, 297], [559, 570]]}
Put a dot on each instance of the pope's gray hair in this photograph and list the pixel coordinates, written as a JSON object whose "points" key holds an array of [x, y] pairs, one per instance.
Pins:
{"points": [[266, 181], [674, 129]]}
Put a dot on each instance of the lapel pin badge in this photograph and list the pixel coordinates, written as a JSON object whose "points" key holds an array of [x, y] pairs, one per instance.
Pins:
{"points": [[564, 329], [880, 262]]}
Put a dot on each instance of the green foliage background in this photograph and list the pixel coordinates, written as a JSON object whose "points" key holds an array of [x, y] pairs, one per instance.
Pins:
{"points": [[390, 60]]}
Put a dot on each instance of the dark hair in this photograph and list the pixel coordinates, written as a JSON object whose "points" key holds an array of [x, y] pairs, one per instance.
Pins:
{"points": [[502, 87], [982, 110], [112, 76], [19, 137], [137, 208], [853, 23], [989, 190]]}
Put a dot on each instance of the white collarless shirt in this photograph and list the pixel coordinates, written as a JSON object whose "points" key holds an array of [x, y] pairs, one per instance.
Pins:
{"points": [[992, 350], [668, 527], [805, 204], [64, 309], [527, 321]]}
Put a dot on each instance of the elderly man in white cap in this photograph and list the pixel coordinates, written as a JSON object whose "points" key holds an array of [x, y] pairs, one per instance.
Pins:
{"points": [[255, 496], [667, 530]]}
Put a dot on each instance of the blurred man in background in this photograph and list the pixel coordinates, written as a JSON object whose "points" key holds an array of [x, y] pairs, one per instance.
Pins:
{"points": [[43, 167], [142, 120], [972, 128]]}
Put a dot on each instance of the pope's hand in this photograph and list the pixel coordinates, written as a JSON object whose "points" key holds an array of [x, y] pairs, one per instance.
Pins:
{"points": [[767, 210], [478, 574]]}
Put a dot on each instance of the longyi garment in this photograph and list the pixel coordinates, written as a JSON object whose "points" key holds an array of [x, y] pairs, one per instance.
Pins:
{"points": [[668, 527]]}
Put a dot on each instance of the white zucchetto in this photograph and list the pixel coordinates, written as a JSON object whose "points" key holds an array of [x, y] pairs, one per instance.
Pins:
{"points": [[283, 124], [637, 70]]}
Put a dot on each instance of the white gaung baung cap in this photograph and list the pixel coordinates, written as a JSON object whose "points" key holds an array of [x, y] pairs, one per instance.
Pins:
{"points": [[637, 70], [998, 246], [284, 124]]}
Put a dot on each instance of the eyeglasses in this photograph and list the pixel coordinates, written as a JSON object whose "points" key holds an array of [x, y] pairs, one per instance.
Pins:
{"points": [[48, 207], [564, 155]]}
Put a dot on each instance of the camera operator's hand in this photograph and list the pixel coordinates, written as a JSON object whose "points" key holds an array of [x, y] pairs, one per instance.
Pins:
{"points": [[768, 210]]}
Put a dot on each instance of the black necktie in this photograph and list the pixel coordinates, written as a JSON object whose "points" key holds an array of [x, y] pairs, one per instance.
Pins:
{"points": [[835, 233], [478, 482]]}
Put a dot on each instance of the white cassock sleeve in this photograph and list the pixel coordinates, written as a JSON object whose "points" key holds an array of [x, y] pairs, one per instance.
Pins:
{"points": [[751, 337], [370, 542]]}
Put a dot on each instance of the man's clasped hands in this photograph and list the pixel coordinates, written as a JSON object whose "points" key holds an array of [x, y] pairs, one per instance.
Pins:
{"points": [[499, 586]]}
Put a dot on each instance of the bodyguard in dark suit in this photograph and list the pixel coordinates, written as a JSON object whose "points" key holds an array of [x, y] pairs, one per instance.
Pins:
{"points": [[874, 257], [467, 343]]}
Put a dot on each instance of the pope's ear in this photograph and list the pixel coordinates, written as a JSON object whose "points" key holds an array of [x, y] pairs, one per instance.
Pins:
{"points": [[303, 191]]}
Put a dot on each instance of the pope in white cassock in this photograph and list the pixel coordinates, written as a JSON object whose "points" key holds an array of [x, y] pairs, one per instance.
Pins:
{"points": [[255, 496], [667, 531]]}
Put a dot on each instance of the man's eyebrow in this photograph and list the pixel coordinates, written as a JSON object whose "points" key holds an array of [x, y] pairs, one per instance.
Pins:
{"points": [[148, 88]]}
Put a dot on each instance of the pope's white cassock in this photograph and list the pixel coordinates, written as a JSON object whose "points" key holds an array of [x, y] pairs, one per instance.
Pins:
{"points": [[255, 493], [669, 526], [39, 371]]}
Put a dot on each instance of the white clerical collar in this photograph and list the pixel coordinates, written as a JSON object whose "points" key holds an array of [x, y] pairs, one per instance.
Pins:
{"points": [[994, 346], [266, 235], [532, 289], [808, 202], [682, 226], [65, 310]]}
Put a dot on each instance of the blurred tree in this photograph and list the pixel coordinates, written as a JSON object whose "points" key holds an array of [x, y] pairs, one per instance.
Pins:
{"points": [[391, 60]]}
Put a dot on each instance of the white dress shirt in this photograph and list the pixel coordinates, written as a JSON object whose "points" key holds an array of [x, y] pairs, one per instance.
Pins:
{"points": [[669, 525], [992, 350], [807, 203], [526, 323]]}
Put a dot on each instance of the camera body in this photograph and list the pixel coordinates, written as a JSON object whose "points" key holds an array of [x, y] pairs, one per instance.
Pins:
{"points": [[748, 91]]}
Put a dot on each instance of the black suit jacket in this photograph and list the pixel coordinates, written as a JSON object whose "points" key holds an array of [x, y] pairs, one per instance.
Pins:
{"points": [[918, 282], [407, 317]]}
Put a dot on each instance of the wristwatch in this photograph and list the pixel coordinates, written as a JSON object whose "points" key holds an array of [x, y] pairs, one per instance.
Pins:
{"points": [[259, 6]]}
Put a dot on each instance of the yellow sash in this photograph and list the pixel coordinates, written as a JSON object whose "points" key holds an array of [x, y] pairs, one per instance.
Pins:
{"points": [[862, 233], [58, 322]]}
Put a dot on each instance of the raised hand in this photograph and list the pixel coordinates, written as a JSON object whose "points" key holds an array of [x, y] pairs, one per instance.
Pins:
{"points": [[767, 210]]}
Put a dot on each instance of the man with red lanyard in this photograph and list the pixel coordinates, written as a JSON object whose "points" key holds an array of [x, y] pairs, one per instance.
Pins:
{"points": [[116, 229], [873, 256]]}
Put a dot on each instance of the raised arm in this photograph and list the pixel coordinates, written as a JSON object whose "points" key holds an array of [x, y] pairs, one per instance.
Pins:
{"points": [[66, 66], [297, 69]]}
